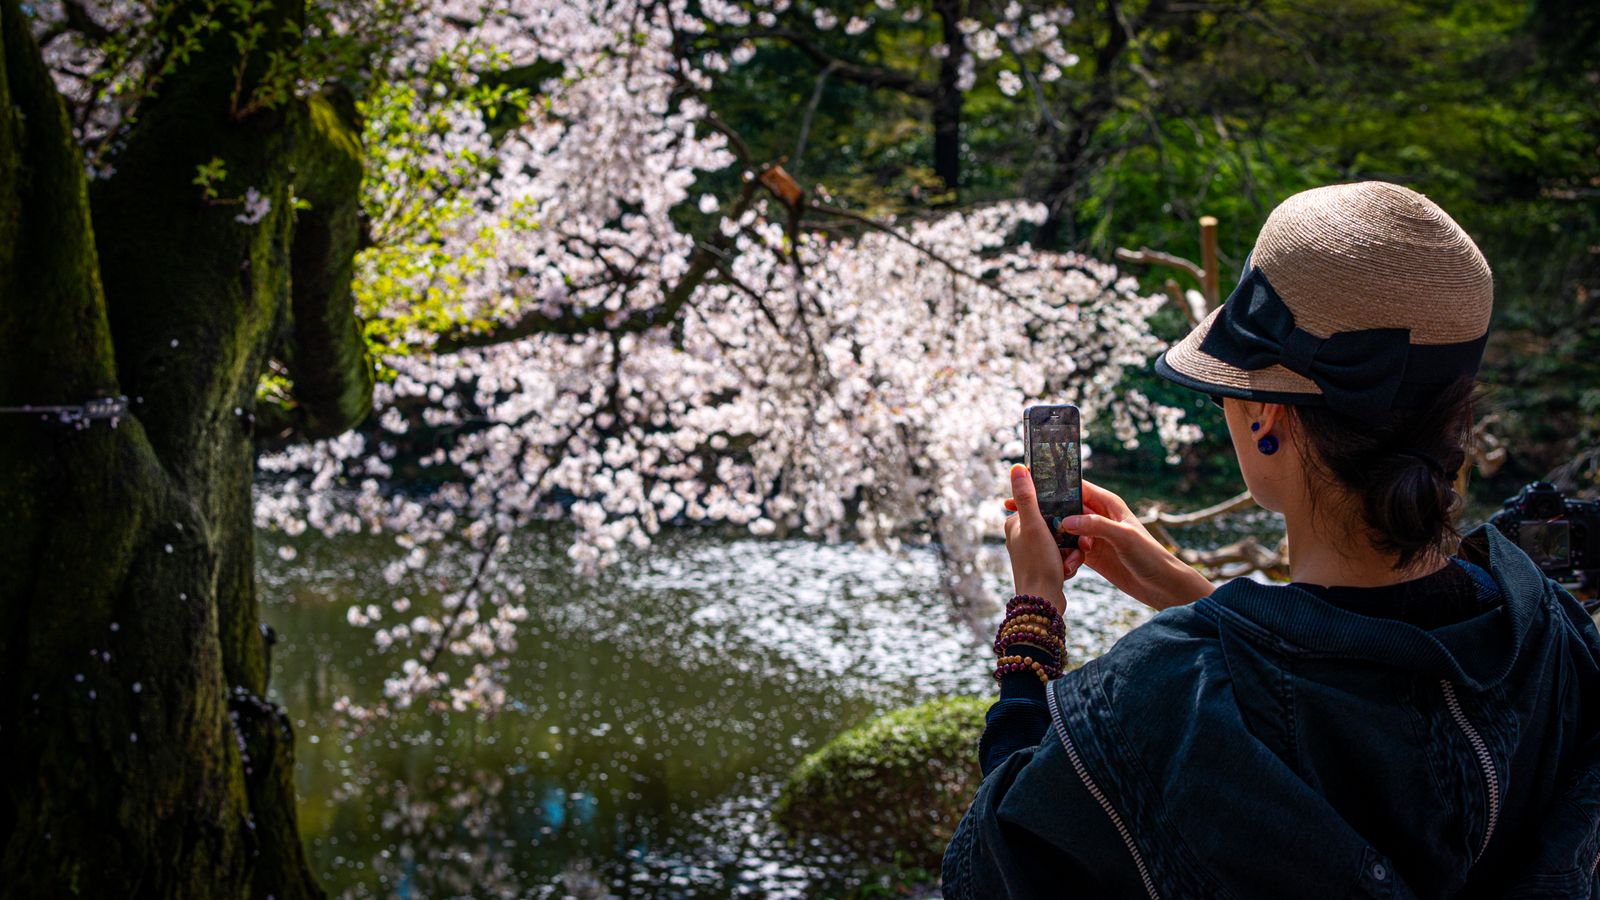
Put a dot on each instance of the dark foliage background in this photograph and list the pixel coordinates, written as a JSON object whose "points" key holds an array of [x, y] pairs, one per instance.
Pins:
{"points": [[1181, 109]]}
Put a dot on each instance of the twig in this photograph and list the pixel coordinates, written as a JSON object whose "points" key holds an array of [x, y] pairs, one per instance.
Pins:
{"points": [[1156, 258], [1034, 87], [811, 111], [1240, 558], [740, 148], [892, 232], [870, 76], [1156, 516], [489, 550], [1176, 297]]}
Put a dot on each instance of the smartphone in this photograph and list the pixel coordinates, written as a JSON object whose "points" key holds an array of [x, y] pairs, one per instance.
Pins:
{"points": [[1051, 452]]}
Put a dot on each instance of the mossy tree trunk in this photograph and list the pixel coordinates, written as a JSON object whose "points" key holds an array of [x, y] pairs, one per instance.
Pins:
{"points": [[138, 754]]}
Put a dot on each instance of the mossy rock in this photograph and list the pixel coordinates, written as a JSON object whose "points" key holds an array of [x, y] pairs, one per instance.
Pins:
{"points": [[893, 788]]}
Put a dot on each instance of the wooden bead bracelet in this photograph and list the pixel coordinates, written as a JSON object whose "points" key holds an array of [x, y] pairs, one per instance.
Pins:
{"points": [[1009, 664], [1051, 645], [1030, 621]]}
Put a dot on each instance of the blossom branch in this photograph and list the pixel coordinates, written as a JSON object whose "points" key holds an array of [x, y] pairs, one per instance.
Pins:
{"points": [[894, 233], [869, 76]]}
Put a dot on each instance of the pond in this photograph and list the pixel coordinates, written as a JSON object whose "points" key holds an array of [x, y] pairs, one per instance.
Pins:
{"points": [[652, 715]]}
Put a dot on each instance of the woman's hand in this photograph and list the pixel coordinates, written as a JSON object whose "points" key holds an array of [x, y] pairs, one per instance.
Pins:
{"points": [[1113, 543], [1038, 566]]}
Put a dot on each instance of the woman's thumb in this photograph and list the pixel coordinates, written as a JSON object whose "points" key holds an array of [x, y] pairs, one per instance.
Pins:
{"points": [[1022, 490]]}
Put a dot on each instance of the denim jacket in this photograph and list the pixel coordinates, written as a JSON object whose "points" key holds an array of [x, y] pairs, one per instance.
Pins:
{"points": [[1264, 743]]}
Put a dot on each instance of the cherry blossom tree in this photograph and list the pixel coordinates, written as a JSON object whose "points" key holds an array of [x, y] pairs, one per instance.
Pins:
{"points": [[238, 213], [778, 363]]}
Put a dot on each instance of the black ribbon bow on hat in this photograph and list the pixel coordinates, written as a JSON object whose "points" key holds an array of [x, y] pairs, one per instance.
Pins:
{"points": [[1359, 372]]}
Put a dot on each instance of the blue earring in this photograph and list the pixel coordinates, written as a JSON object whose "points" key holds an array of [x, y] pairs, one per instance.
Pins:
{"points": [[1268, 445], [1255, 426]]}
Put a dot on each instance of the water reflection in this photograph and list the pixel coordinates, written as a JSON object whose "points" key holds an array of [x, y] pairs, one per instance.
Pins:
{"points": [[651, 714]]}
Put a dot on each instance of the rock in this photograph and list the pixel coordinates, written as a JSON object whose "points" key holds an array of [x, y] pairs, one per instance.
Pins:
{"points": [[893, 788]]}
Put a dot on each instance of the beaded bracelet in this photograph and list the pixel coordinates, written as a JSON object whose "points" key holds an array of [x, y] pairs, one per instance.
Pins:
{"points": [[1028, 628], [1025, 628], [1034, 630], [1024, 618], [1021, 600], [1030, 621], [1027, 605], [1009, 664], [1027, 613], [1051, 645]]}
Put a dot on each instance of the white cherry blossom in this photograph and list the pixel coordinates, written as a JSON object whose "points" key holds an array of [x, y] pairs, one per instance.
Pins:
{"points": [[694, 358]]}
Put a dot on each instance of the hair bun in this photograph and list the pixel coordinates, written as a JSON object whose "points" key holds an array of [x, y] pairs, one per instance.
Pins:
{"points": [[1433, 464], [1405, 508]]}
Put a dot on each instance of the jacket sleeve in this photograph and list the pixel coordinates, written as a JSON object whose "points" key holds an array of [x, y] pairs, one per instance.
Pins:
{"points": [[1018, 720], [1033, 829]]}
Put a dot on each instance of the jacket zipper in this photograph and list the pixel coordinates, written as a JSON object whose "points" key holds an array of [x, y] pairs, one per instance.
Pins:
{"points": [[1491, 780], [1100, 798]]}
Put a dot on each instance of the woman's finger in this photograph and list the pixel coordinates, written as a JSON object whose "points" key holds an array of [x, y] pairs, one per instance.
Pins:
{"points": [[1094, 526], [1011, 504], [1106, 502]]}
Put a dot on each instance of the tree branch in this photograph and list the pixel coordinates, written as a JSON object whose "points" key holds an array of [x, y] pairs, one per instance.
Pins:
{"points": [[1036, 89], [890, 231], [811, 112], [1240, 558], [79, 20], [1157, 516], [870, 76], [701, 263], [1147, 256], [1175, 297]]}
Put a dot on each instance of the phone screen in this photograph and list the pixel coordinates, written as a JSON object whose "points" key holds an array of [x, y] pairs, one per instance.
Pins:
{"points": [[1053, 456]]}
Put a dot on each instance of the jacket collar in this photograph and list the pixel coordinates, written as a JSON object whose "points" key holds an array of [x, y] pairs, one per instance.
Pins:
{"points": [[1477, 653]]}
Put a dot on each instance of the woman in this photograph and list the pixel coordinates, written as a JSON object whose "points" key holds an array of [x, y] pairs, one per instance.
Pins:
{"points": [[1415, 715]]}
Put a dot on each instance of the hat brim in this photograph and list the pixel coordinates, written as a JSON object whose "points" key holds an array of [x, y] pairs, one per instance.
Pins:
{"points": [[1184, 363]]}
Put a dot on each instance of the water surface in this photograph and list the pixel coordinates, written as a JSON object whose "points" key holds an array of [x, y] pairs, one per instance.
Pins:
{"points": [[652, 713]]}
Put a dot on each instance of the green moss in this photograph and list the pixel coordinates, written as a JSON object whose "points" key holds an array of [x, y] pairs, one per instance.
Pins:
{"points": [[329, 367], [127, 599], [893, 788]]}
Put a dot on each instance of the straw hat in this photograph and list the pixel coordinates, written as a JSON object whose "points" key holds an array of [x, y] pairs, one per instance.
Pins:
{"points": [[1362, 297]]}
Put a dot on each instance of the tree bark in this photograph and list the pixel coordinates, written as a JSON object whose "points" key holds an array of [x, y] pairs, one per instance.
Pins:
{"points": [[1071, 151], [140, 757], [325, 351], [948, 97]]}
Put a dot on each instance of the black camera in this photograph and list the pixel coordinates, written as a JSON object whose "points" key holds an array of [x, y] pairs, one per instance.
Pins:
{"points": [[1562, 535]]}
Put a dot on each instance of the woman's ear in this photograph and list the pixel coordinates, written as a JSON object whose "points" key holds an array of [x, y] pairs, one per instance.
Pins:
{"points": [[1274, 418], [1264, 418]]}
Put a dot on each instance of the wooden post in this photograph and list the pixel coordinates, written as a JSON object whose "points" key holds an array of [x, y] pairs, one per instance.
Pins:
{"points": [[1208, 260]]}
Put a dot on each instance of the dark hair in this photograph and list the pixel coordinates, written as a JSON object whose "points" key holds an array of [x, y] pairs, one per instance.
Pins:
{"points": [[1387, 467]]}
